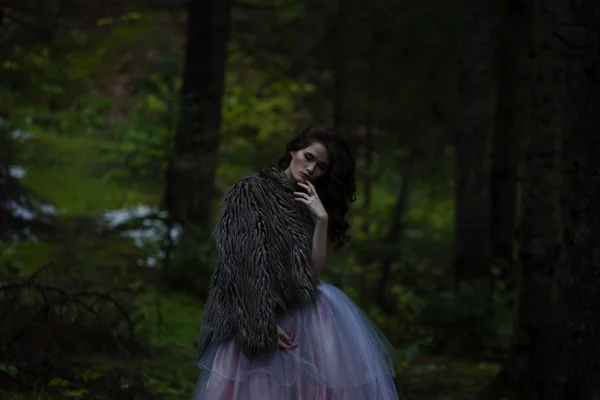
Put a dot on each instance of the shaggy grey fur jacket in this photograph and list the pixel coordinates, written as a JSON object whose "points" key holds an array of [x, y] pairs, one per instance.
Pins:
{"points": [[263, 241]]}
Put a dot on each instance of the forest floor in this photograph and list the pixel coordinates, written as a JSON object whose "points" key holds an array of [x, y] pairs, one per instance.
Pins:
{"points": [[443, 378], [74, 176]]}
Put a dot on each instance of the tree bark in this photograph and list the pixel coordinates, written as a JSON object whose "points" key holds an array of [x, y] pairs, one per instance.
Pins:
{"points": [[511, 123], [189, 189], [339, 61], [541, 222], [557, 337], [369, 137], [536, 328], [578, 371], [477, 84], [395, 238]]}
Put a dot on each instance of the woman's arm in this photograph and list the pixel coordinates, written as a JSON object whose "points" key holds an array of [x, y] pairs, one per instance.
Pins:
{"points": [[312, 201], [244, 258], [319, 247]]}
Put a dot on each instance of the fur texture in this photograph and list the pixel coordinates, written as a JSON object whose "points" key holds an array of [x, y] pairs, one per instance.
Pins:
{"points": [[263, 241]]}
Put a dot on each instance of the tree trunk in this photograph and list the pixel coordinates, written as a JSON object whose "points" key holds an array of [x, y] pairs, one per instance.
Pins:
{"points": [[557, 335], [339, 61], [369, 137], [394, 238], [511, 123], [190, 177], [540, 225], [578, 369], [368, 172], [477, 84]]}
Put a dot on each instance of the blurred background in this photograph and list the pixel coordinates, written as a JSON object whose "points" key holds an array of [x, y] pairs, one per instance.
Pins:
{"points": [[123, 123]]}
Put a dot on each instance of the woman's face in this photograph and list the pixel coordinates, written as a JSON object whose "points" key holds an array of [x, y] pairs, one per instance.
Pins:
{"points": [[308, 164]]}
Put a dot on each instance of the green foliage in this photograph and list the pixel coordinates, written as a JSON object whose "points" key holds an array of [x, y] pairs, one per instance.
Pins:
{"points": [[146, 135], [81, 175], [261, 112], [169, 389], [191, 264], [9, 369], [102, 104], [468, 323], [172, 320]]}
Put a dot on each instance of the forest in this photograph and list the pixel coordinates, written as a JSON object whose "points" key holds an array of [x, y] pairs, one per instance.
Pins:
{"points": [[474, 236]]}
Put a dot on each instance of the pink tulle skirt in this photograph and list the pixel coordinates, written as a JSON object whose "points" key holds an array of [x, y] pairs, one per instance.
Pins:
{"points": [[341, 355]]}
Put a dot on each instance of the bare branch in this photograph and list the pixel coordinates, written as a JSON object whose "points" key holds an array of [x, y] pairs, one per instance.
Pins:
{"points": [[18, 21], [572, 45]]}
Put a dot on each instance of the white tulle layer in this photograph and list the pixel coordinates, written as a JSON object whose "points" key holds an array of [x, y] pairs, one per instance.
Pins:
{"points": [[340, 355]]}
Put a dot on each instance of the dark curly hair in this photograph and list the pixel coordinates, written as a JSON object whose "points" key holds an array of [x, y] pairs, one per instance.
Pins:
{"points": [[337, 187]]}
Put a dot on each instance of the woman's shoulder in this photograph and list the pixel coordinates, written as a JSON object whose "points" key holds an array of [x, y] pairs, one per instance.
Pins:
{"points": [[254, 178], [252, 183], [260, 178]]}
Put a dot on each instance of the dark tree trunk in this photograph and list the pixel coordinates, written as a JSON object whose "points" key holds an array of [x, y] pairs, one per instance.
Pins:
{"points": [[512, 115], [394, 239], [190, 177], [368, 172], [369, 137], [540, 225], [537, 326], [578, 371], [477, 83], [528, 366], [557, 338], [339, 61]]}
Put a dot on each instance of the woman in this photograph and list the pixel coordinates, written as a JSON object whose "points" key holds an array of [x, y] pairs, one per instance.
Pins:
{"points": [[271, 330]]}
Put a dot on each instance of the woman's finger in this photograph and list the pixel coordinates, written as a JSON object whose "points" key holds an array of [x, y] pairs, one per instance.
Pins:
{"points": [[285, 338], [312, 189], [281, 333], [293, 340], [301, 200], [302, 194], [309, 188]]}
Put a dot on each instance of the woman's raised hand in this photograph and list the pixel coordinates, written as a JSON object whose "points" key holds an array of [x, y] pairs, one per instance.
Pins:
{"points": [[311, 199]]}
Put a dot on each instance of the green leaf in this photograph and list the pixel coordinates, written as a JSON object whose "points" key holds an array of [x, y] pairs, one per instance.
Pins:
{"points": [[59, 382], [76, 393], [11, 370], [89, 375]]}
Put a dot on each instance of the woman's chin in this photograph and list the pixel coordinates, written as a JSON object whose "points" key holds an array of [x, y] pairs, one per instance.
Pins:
{"points": [[298, 178]]}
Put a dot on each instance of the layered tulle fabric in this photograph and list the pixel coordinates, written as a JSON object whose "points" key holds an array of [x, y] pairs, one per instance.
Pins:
{"points": [[340, 355]]}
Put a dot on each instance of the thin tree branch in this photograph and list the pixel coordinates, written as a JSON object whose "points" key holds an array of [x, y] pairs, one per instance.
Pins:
{"points": [[24, 24], [571, 45]]}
